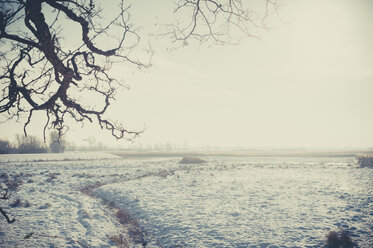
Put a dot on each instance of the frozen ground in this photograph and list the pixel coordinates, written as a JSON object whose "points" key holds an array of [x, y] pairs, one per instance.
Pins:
{"points": [[52, 206], [227, 202]]}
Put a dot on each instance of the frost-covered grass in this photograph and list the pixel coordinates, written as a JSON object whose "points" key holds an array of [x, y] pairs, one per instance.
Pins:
{"points": [[226, 202], [230, 202], [47, 202]]}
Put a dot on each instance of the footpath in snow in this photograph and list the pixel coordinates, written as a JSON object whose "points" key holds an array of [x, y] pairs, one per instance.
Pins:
{"points": [[47, 201]]}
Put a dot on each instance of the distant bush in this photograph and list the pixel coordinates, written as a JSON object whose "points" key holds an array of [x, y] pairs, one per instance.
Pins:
{"points": [[365, 161], [340, 239], [6, 147], [57, 144], [30, 144]]}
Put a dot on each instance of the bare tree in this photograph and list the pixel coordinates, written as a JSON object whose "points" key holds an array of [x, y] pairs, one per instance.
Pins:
{"points": [[39, 72], [57, 143], [30, 144], [6, 196], [218, 20]]}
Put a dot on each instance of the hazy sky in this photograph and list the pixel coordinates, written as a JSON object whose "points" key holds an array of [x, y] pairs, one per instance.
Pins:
{"points": [[308, 81]]}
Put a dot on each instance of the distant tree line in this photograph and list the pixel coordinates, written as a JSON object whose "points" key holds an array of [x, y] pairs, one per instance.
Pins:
{"points": [[32, 144]]}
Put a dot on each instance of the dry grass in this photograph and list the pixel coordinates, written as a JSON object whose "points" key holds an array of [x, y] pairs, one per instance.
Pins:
{"points": [[123, 216], [134, 229], [125, 219], [119, 240], [88, 190]]}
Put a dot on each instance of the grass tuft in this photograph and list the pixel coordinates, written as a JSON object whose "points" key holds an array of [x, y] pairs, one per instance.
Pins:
{"points": [[119, 240], [18, 203]]}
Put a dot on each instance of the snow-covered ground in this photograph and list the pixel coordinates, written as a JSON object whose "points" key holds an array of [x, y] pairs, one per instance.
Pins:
{"points": [[52, 205], [227, 202]]}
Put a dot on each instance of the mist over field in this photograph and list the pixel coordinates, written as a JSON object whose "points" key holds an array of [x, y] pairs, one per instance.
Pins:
{"points": [[186, 123], [305, 81]]}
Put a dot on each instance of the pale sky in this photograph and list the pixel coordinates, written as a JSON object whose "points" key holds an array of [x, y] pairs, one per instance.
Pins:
{"points": [[308, 81]]}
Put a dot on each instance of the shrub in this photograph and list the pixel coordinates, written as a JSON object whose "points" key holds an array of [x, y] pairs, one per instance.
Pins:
{"points": [[56, 143], [340, 239], [123, 216], [16, 203], [365, 161], [30, 144], [6, 147]]}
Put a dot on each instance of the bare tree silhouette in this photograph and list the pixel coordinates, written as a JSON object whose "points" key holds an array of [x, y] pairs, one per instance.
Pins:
{"points": [[41, 73], [217, 20], [6, 196]]}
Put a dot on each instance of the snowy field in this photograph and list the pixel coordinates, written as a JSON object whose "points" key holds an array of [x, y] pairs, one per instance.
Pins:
{"points": [[226, 202]]}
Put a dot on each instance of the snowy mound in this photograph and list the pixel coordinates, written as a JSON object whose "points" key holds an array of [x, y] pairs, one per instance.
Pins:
{"points": [[192, 160]]}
